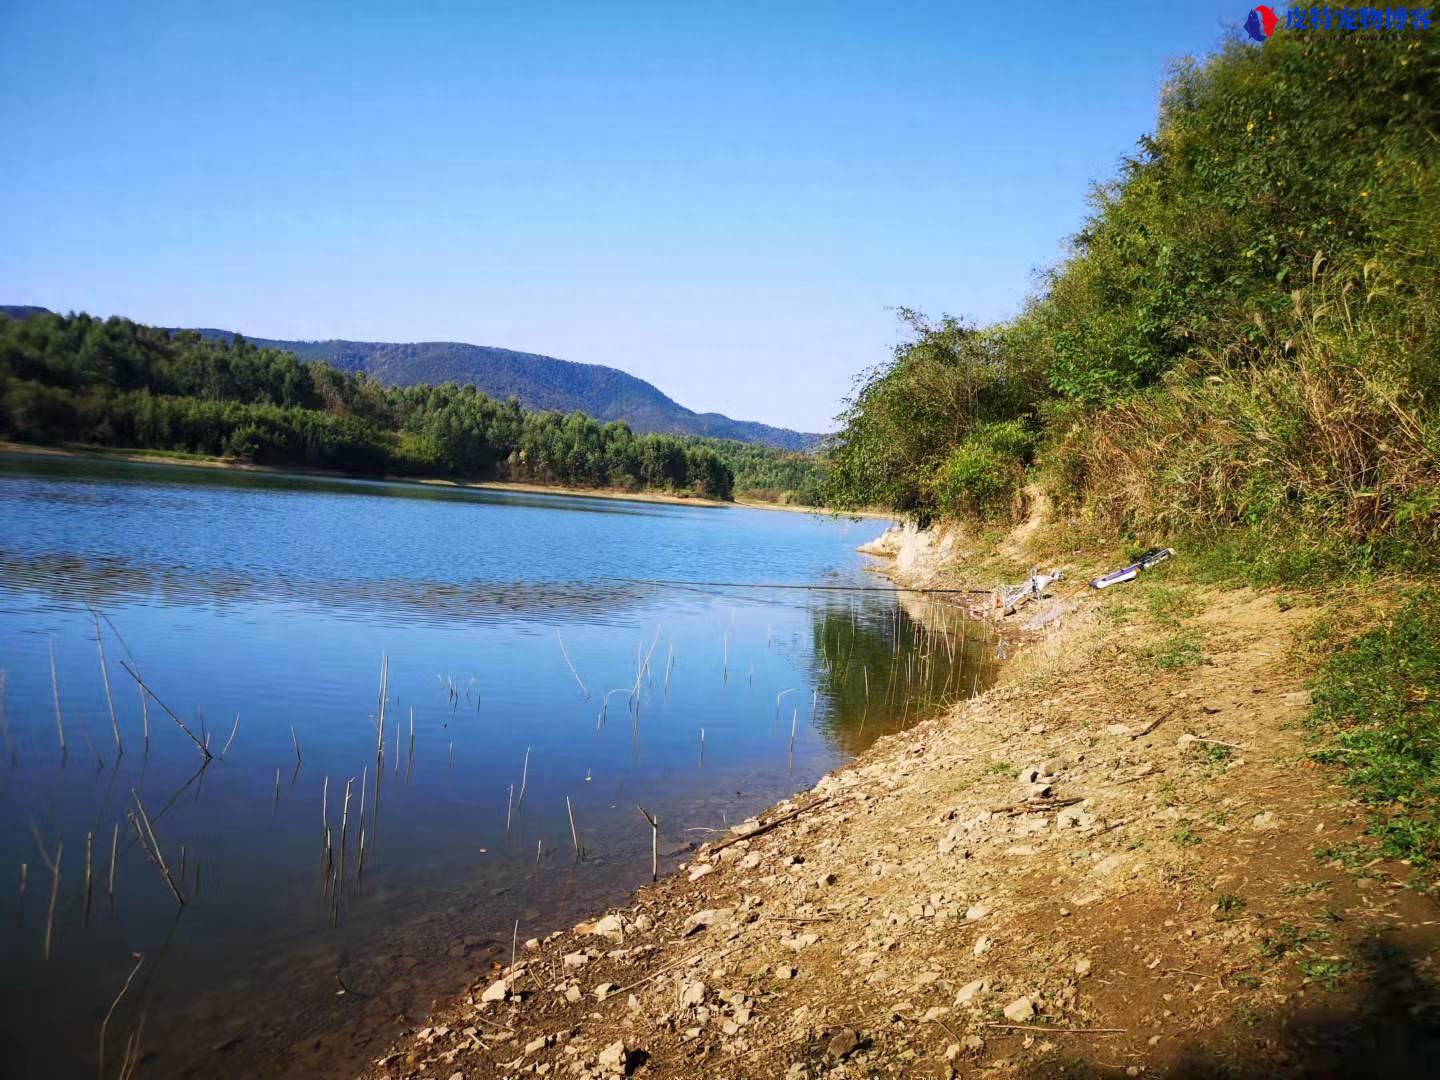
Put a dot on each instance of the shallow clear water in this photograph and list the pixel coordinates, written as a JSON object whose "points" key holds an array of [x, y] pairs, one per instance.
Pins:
{"points": [[275, 598]]}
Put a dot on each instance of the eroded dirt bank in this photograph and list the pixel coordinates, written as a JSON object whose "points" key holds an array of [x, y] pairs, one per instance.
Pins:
{"points": [[1106, 865]]}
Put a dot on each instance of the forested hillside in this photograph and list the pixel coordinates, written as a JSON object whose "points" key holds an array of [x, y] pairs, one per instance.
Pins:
{"points": [[116, 383], [539, 382], [1242, 347]]}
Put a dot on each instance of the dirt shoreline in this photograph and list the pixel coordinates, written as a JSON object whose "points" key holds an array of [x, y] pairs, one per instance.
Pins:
{"points": [[1103, 866]]}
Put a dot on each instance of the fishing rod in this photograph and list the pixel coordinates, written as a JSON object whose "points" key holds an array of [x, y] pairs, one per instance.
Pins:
{"points": [[776, 585]]}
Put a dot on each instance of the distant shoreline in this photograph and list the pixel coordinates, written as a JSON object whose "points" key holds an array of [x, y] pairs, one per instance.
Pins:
{"points": [[201, 461]]}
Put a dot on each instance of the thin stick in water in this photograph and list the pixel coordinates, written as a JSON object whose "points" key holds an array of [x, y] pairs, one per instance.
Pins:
{"points": [[168, 712], [296, 741], [114, 848], [574, 836], [54, 895], [275, 805], [139, 959], [585, 689], [153, 846], [234, 728], [524, 776], [55, 691], [89, 873], [105, 679], [654, 842]]}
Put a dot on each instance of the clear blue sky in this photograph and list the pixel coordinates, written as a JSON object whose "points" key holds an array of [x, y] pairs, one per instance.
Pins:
{"points": [[725, 199]]}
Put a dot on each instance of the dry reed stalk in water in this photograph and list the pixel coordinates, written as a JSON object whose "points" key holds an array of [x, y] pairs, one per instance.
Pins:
{"points": [[139, 959], [514, 937], [105, 679], [275, 805], [89, 873], [85, 734], [364, 776], [571, 666], [380, 732], [296, 741], [179, 723], [114, 848], [524, 776], [55, 691], [654, 842], [54, 895], [234, 728], [788, 690], [360, 859], [509, 800], [153, 847], [412, 730], [344, 844], [702, 746], [4, 725], [574, 836]]}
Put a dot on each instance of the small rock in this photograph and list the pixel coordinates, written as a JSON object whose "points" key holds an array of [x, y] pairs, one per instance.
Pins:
{"points": [[603, 991], [575, 960], [499, 990], [785, 971], [1020, 1010], [702, 919], [610, 926], [614, 1056], [973, 1043], [573, 994], [1265, 822], [935, 1012], [971, 990], [534, 1046], [1082, 966], [977, 911], [693, 994], [701, 871], [843, 1044], [983, 945]]}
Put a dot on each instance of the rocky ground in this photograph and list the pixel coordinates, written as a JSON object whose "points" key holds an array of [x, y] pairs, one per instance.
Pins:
{"points": [[1116, 862]]}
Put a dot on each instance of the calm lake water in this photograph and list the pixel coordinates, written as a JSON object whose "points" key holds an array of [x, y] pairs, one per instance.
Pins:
{"points": [[274, 598]]}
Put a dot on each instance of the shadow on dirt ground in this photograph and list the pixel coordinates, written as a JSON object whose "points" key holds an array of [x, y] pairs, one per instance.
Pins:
{"points": [[1384, 1023]]}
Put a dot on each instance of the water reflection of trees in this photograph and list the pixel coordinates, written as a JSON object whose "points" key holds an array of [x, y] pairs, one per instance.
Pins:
{"points": [[108, 582], [881, 665]]}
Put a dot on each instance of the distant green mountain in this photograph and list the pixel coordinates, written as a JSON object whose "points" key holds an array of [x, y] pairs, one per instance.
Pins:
{"points": [[540, 382]]}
